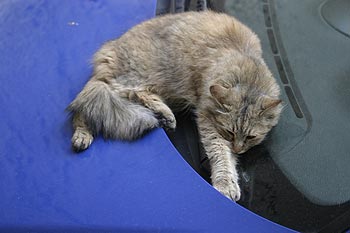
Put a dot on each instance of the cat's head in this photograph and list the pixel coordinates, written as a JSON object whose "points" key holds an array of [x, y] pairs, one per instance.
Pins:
{"points": [[243, 116]]}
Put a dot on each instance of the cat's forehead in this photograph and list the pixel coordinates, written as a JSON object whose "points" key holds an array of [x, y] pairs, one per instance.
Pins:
{"points": [[244, 109], [247, 117], [252, 126], [238, 112]]}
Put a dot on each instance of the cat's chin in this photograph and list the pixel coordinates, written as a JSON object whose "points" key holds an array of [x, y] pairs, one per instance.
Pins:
{"points": [[239, 152]]}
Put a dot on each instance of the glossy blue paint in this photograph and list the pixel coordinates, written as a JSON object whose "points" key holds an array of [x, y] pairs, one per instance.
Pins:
{"points": [[141, 186]]}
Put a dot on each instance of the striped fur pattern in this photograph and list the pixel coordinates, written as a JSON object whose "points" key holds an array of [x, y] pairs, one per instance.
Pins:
{"points": [[207, 61]]}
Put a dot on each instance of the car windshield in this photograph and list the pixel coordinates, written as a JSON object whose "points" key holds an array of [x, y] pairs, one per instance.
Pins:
{"points": [[299, 177]]}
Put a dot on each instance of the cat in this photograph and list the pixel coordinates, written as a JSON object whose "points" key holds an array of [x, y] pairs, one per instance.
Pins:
{"points": [[209, 62]]}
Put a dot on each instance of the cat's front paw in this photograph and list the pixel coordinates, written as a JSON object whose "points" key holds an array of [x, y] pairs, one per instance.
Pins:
{"points": [[167, 121], [81, 140], [230, 189]]}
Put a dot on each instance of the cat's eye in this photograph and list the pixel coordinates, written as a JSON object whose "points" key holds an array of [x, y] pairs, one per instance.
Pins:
{"points": [[231, 133], [250, 137]]}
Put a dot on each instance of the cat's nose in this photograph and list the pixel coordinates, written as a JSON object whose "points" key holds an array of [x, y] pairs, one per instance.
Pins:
{"points": [[237, 148]]}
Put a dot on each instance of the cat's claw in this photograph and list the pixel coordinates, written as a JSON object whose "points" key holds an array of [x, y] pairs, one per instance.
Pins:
{"points": [[81, 140], [229, 189]]}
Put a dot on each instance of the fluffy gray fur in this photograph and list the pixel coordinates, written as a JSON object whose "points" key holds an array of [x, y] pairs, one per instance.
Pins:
{"points": [[207, 61]]}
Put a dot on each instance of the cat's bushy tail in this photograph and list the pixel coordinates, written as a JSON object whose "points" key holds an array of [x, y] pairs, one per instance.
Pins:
{"points": [[106, 112]]}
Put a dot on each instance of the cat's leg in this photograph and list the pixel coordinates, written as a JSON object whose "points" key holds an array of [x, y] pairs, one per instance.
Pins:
{"points": [[155, 103], [223, 163], [82, 137]]}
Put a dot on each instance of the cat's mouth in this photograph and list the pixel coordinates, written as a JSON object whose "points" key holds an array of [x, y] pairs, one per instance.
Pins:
{"points": [[240, 152], [237, 149]]}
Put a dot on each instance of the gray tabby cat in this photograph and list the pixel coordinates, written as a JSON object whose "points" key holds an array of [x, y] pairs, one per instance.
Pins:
{"points": [[207, 61]]}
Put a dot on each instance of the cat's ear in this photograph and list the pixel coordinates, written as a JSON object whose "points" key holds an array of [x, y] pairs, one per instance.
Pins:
{"points": [[223, 95], [219, 93], [269, 103]]}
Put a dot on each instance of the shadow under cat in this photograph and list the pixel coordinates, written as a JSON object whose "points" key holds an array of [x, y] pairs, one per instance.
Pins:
{"points": [[265, 189]]}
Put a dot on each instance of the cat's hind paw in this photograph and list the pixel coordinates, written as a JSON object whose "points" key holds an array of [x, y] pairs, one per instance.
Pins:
{"points": [[81, 140], [229, 189]]}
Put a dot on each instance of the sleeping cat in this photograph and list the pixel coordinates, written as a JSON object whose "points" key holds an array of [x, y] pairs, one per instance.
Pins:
{"points": [[205, 61]]}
